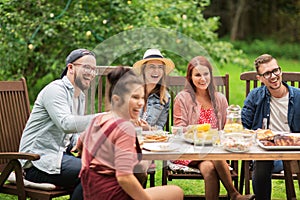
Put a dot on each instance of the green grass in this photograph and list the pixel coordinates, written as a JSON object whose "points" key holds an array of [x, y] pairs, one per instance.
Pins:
{"points": [[197, 186], [237, 95], [193, 186]]}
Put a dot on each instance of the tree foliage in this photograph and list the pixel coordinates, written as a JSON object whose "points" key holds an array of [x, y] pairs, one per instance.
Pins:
{"points": [[244, 19], [37, 35]]}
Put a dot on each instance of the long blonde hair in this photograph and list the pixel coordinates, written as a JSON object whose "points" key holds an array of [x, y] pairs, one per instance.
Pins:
{"points": [[160, 88]]}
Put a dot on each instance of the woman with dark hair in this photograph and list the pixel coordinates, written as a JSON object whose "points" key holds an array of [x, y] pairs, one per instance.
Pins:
{"points": [[200, 103], [110, 149], [201, 90]]}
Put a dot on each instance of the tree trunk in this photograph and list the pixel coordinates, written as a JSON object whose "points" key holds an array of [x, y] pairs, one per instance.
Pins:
{"points": [[235, 24]]}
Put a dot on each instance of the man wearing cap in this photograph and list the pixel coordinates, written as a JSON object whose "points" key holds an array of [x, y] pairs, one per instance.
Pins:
{"points": [[54, 123]]}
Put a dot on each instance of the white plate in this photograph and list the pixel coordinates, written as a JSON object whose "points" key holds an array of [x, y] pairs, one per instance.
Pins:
{"points": [[277, 147], [158, 132], [207, 142], [160, 147]]}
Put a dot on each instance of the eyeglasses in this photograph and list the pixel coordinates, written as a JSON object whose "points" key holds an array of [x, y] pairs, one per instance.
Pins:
{"points": [[87, 68], [268, 74]]}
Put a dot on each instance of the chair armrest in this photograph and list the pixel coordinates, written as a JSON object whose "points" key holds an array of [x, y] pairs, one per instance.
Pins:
{"points": [[19, 155]]}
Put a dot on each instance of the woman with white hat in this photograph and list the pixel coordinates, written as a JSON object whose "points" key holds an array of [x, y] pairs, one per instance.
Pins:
{"points": [[154, 68]]}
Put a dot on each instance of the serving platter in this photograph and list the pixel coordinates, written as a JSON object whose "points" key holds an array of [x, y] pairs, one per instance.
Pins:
{"points": [[191, 141], [157, 132], [161, 147], [260, 144]]}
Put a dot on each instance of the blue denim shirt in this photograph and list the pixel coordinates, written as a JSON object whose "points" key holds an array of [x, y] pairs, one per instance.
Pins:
{"points": [[156, 113], [257, 107], [50, 121]]}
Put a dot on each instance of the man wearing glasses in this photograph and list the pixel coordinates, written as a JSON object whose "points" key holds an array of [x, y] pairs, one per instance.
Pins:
{"points": [[55, 122], [275, 106]]}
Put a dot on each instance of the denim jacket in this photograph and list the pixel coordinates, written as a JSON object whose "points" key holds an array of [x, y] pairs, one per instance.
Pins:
{"points": [[156, 113], [257, 107]]}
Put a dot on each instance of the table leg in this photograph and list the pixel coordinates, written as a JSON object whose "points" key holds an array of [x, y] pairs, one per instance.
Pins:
{"points": [[242, 177], [289, 184], [164, 173], [247, 177]]}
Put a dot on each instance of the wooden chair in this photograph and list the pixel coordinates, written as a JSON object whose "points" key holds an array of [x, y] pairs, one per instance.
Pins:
{"points": [[176, 84], [14, 112], [99, 87], [293, 79]]}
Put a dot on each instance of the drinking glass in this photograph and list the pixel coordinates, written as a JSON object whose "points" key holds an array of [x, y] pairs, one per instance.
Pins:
{"points": [[215, 137], [177, 131], [199, 140]]}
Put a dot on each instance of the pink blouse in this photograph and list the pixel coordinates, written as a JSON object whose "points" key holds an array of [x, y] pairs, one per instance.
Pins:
{"points": [[187, 112]]}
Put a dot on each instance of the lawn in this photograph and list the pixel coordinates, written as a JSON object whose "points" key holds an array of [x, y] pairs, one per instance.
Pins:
{"points": [[197, 186], [237, 95]]}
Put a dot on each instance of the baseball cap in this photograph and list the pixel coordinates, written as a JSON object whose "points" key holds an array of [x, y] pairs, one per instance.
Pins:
{"points": [[75, 55]]}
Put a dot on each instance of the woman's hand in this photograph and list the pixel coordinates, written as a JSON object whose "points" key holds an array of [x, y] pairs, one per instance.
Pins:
{"points": [[142, 123], [77, 149]]}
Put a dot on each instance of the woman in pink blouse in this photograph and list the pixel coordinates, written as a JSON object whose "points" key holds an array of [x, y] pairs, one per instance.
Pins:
{"points": [[110, 149], [200, 103]]}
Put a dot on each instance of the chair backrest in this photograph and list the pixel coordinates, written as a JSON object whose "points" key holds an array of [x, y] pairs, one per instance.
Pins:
{"points": [[176, 84], [99, 88], [293, 78], [14, 112]]}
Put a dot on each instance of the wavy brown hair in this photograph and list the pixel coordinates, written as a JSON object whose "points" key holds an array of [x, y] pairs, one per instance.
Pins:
{"points": [[191, 88]]}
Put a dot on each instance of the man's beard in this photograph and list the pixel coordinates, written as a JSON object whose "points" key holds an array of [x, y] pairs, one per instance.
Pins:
{"points": [[79, 83]]}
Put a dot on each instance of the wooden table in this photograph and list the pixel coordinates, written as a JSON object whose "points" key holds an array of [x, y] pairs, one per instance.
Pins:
{"points": [[186, 151]]}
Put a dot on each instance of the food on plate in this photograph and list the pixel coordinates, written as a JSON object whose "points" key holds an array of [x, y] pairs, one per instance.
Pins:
{"points": [[237, 142], [267, 143], [264, 134], [287, 140], [155, 138], [297, 140], [200, 130], [199, 127], [269, 138]]}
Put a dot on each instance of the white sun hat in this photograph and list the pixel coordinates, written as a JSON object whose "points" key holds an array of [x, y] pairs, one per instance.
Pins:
{"points": [[154, 54]]}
